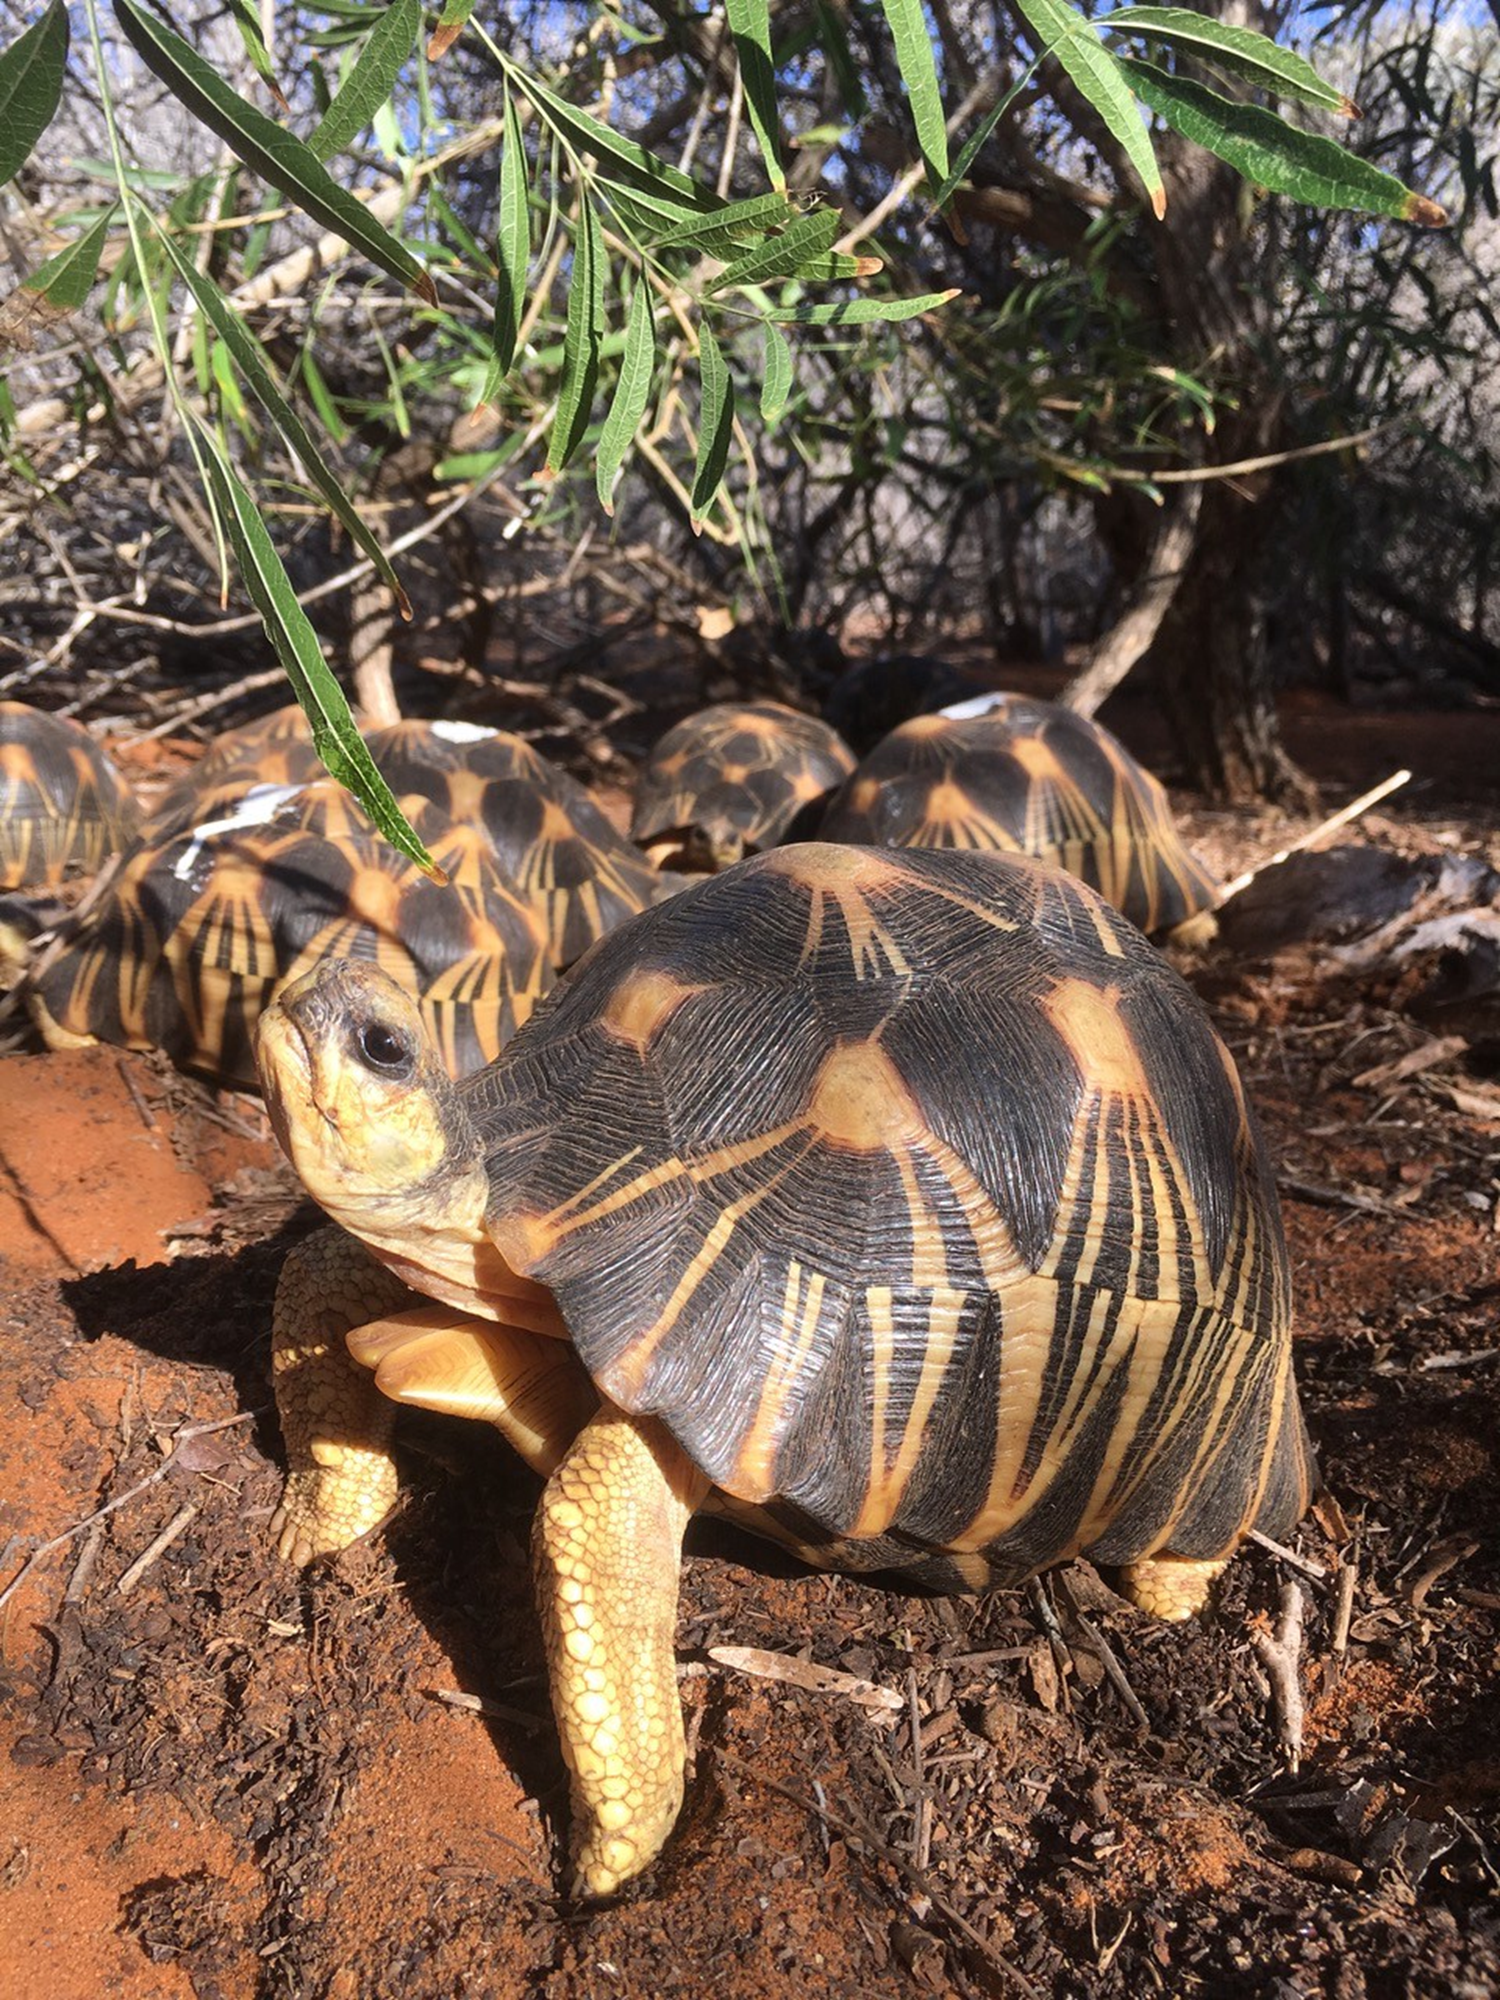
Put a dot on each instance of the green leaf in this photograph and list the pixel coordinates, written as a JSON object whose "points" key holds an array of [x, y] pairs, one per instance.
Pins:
{"points": [[715, 424], [619, 162], [750, 24], [721, 233], [861, 312], [1250, 55], [513, 238], [66, 280], [1061, 31], [777, 385], [222, 369], [631, 391], [451, 24], [1275, 155], [248, 22], [261, 379], [804, 240], [908, 25], [32, 70], [262, 144], [369, 83], [585, 329], [334, 735]]}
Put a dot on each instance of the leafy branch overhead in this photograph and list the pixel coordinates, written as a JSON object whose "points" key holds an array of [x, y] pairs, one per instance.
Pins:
{"points": [[635, 302]]}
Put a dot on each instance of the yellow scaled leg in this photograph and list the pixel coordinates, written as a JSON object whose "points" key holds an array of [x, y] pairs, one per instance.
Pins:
{"points": [[341, 1477], [1170, 1587], [607, 1551]]}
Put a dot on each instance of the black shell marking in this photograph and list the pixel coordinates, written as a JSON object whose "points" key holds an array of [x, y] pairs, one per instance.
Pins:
{"points": [[743, 775], [918, 1197], [206, 920], [1028, 777]]}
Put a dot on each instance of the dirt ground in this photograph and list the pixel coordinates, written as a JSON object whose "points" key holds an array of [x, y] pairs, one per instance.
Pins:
{"points": [[224, 1779]]}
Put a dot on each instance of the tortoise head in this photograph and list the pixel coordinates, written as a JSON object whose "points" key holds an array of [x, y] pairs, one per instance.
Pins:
{"points": [[366, 1113]]}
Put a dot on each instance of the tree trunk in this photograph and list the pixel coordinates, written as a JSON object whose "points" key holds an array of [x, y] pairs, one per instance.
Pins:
{"points": [[1212, 664], [1133, 632]]}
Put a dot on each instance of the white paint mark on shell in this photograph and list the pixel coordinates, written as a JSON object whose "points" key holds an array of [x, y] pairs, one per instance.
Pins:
{"points": [[259, 805], [977, 704], [461, 732]]}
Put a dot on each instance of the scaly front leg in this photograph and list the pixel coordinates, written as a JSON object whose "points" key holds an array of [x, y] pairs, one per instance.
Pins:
{"points": [[607, 1552], [341, 1477]]}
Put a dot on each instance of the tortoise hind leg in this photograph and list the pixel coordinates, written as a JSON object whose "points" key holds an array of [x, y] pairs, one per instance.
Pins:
{"points": [[607, 1550], [1169, 1587], [341, 1477]]}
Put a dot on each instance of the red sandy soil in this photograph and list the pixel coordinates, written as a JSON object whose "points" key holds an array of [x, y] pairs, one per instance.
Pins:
{"points": [[224, 1779]]}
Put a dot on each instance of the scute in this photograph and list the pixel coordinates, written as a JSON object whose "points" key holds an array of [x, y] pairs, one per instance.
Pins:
{"points": [[1043, 1307]]}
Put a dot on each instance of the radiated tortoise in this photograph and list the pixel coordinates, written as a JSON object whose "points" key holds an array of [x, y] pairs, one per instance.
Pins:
{"points": [[903, 1206], [215, 906], [733, 779], [64, 808], [1030, 777]]}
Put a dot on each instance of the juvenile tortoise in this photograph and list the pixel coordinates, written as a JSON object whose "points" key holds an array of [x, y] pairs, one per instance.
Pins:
{"points": [[1030, 777], [733, 779], [904, 1207], [211, 912], [64, 808], [579, 875]]}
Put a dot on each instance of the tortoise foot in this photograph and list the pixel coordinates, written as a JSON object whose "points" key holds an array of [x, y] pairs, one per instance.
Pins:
{"points": [[326, 1506], [1169, 1587]]}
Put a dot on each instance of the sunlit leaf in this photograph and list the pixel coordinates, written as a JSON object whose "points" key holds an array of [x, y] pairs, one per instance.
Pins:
{"points": [[513, 238], [66, 280], [1063, 32], [247, 21], [750, 25], [619, 162], [334, 735], [585, 329], [720, 234], [715, 424], [861, 312], [369, 83], [631, 392], [31, 80], [261, 379], [1255, 57], [804, 239], [908, 25], [1275, 155], [263, 145]]}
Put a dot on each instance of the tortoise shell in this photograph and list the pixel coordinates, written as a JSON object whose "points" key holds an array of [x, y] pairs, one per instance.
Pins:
{"points": [[579, 875], [207, 919], [264, 744], [1027, 777], [916, 1195], [733, 779], [64, 808]]}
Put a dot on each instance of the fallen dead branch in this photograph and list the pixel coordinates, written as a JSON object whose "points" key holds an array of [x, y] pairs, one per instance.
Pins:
{"points": [[1334, 821], [785, 1667], [143, 1562], [1280, 1653]]}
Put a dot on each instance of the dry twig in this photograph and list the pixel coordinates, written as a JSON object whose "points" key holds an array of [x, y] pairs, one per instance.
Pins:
{"points": [[1280, 1653]]}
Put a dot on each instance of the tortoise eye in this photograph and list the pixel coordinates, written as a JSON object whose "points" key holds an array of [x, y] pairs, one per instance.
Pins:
{"points": [[383, 1049]]}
